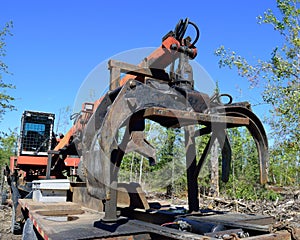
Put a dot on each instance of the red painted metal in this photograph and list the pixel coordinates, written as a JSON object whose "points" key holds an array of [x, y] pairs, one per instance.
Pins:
{"points": [[32, 160], [72, 161]]}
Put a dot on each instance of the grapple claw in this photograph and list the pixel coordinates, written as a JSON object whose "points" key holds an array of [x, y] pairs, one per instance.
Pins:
{"points": [[258, 133]]}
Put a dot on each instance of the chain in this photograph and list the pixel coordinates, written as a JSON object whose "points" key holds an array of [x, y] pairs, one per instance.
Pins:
{"points": [[232, 236], [284, 226]]}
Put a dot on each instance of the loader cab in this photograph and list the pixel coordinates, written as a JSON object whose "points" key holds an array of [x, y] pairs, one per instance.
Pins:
{"points": [[36, 136]]}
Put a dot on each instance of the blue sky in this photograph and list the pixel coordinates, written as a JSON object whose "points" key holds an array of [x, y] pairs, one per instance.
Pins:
{"points": [[56, 44]]}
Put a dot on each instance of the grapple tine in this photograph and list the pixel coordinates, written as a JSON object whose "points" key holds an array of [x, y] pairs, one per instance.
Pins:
{"points": [[258, 133], [226, 155]]}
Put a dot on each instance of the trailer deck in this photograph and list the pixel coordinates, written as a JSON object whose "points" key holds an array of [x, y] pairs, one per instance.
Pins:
{"points": [[73, 221]]}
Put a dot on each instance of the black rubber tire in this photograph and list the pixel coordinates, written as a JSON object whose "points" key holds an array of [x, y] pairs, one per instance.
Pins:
{"points": [[28, 231], [4, 198], [15, 226]]}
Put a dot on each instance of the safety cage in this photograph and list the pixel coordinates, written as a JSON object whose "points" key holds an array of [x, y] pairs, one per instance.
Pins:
{"points": [[36, 133]]}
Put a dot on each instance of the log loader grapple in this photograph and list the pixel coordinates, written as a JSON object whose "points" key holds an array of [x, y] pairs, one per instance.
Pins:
{"points": [[148, 91], [160, 88]]}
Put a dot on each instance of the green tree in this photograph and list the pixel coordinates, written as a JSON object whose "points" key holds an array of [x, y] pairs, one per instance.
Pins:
{"points": [[170, 171], [63, 119], [244, 179], [167, 171], [7, 146], [5, 99], [280, 76], [244, 167]]}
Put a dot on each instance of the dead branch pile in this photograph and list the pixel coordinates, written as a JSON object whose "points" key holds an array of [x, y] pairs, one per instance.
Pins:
{"points": [[287, 209]]}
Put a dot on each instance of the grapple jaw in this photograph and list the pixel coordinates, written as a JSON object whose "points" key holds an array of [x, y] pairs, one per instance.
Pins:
{"points": [[172, 107], [257, 132], [147, 91]]}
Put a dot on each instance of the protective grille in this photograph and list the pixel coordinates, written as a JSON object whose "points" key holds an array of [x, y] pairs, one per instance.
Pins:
{"points": [[36, 134]]}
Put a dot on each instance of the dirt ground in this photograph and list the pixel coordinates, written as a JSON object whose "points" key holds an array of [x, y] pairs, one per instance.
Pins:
{"points": [[5, 222]]}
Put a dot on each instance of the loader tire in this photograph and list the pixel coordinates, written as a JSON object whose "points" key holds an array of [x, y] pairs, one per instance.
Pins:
{"points": [[15, 226], [28, 231], [4, 198]]}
